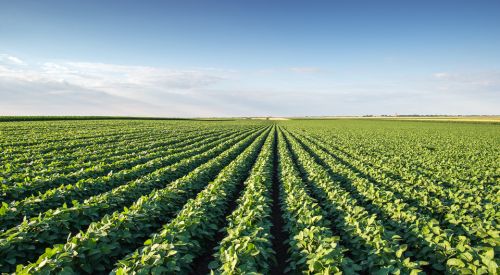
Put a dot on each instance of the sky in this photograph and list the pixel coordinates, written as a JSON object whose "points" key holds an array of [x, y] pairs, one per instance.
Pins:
{"points": [[249, 58]]}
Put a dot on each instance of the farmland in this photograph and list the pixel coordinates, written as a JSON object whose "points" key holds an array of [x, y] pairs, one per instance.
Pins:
{"points": [[249, 196]]}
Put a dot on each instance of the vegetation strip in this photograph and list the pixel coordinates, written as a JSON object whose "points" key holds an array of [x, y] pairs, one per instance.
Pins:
{"points": [[247, 246], [12, 214], [22, 190], [479, 228], [82, 159], [174, 248], [106, 241], [28, 240], [371, 248], [440, 248], [313, 247], [247, 196]]}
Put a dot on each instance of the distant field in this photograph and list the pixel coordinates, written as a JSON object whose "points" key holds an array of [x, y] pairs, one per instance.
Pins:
{"points": [[250, 195], [465, 118], [420, 118]]}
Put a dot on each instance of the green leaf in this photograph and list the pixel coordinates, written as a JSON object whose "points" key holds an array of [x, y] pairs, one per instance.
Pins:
{"points": [[401, 250], [490, 253], [455, 262]]}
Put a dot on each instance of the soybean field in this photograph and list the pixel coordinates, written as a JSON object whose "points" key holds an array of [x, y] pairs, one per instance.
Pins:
{"points": [[243, 196]]}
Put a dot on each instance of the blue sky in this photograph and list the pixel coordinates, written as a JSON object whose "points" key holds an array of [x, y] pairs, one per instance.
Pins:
{"points": [[249, 58]]}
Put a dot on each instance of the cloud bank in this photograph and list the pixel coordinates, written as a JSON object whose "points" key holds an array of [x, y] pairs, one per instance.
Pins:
{"points": [[81, 88], [84, 88]]}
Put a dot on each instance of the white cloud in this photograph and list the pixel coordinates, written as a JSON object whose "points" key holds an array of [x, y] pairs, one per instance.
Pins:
{"points": [[305, 70], [127, 80], [483, 82], [83, 88], [12, 60], [442, 75]]}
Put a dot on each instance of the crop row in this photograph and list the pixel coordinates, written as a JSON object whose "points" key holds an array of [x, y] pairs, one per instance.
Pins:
{"points": [[247, 245], [13, 213], [370, 246], [313, 247], [84, 157], [250, 197], [412, 172], [184, 239], [475, 221], [27, 188], [29, 162], [114, 236], [30, 238], [428, 241]]}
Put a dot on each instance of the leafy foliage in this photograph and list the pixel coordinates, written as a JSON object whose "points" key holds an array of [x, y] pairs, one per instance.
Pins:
{"points": [[248, 197]]}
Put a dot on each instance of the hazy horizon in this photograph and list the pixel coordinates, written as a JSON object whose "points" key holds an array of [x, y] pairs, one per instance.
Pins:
{"points": [[241, 59]]}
